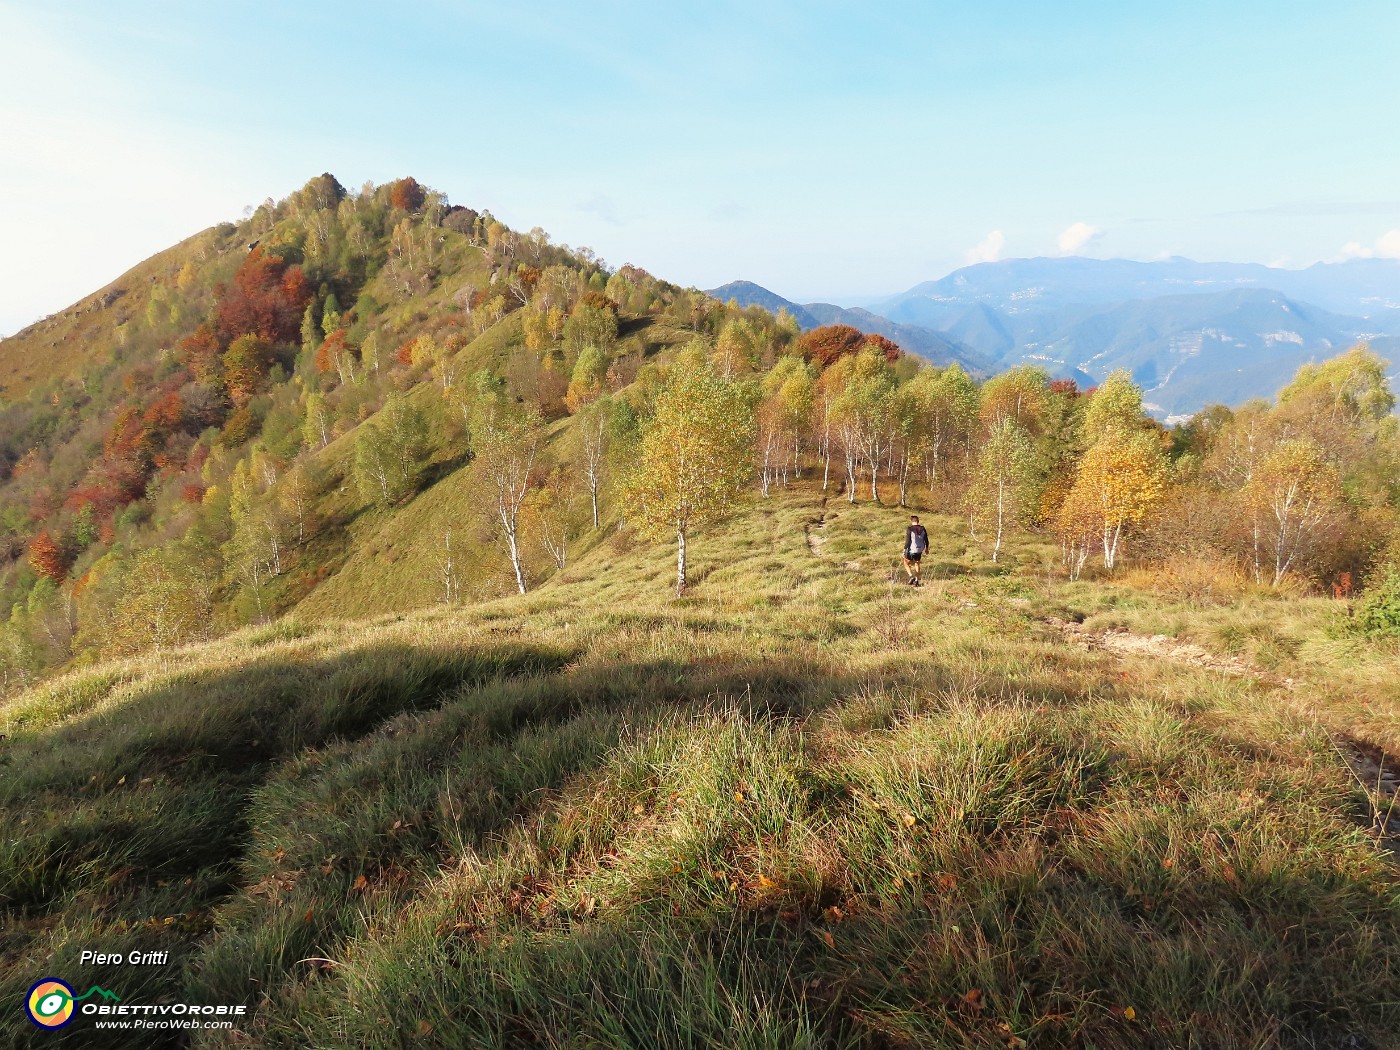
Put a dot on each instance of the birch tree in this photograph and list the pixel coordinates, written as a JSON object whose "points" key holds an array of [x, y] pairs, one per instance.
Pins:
{"points": [[1003, 480], [1121, 480], [506, 443], [1296, 489], [863, 411], [592, 423], [948, 403], [694, 458]]}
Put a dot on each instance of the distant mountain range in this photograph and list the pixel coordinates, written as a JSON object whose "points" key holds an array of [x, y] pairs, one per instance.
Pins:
{"points": [[1190, 333], [926, 342]]}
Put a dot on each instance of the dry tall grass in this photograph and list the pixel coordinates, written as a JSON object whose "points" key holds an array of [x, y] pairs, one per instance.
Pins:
{"points": [[799, 807]]}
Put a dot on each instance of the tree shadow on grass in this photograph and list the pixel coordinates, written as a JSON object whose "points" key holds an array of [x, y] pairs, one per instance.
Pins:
{"points": [[1014, 950], [361, 766]]}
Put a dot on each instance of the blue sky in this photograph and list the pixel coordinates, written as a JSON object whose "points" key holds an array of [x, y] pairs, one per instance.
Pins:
{"points": [[825, 150]]}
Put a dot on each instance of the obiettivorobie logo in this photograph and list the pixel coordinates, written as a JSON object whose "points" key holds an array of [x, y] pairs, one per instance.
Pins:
{"points": [[51, 1002]]}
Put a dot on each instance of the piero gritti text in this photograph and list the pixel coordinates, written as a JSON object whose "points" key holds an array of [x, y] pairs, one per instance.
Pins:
{"points": [[127, 959]]}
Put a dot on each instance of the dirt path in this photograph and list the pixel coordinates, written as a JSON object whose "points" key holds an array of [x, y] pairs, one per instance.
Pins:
{"points": [[811, 527], [1162, 647]]}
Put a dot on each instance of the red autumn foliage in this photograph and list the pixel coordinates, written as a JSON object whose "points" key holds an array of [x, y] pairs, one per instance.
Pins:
{"points": [[193, 492], [404, 354], [406, 194], [109, 485], [170, 461], [824, 345], [334, 345], [48, 558], [888, 347], [1064, 386], [166, 413], [266, 299], [200, 352], [598, 301], [90, 494], [129, 440]]}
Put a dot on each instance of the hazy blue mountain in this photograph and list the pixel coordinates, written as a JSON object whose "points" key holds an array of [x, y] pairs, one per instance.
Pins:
{"points": [[1191, 333], [1187, 350], [1367, 288], [746, 293], [932, 345]]}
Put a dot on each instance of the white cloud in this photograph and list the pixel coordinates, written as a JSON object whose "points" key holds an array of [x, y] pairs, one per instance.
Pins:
{"points": [[1077, 237], [1387, 246], [988, 249]]}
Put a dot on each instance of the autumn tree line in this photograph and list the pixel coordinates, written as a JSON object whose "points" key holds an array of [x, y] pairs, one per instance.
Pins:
{"points": [[337, 353], [278, 377], [1299, 493]]}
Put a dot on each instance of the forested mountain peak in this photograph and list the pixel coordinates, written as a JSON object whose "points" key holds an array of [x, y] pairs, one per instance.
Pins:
{"points": [[223, 395], [364, 402]]}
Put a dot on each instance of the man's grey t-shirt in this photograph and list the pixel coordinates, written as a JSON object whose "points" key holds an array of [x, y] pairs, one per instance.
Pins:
{"points": [[916, 539]]}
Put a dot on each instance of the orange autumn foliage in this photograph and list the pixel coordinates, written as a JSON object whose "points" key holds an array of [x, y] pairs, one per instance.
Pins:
{"points": [[266, 299], [47, 557], [830, 342], [406, 194]]}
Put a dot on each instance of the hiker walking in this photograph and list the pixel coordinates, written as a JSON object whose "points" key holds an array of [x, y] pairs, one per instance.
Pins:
{"points": [[915, 543]]}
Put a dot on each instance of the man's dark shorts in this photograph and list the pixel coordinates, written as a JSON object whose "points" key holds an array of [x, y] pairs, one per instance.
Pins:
{"points": [[911, 556]]}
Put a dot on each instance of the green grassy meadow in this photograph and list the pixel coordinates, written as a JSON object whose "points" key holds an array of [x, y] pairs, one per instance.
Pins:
{"points": [[803, 806]]}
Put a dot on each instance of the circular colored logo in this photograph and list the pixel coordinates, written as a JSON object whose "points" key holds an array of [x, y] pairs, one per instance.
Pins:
{"points": [[50, 1003]]}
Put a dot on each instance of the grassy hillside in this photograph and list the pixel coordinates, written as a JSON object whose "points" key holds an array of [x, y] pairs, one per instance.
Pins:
{"points": [[801, 807], [200, 419], [129, 316]]}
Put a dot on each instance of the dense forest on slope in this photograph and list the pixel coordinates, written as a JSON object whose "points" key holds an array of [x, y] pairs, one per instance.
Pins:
{"points": [[366, 403], [205, 441]]}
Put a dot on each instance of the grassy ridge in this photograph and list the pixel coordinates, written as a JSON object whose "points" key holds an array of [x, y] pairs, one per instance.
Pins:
{"points": [[800, 807]]}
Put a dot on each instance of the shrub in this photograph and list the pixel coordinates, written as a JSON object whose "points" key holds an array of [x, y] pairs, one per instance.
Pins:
{"points": [[1199, 580], [1378, 611]]}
